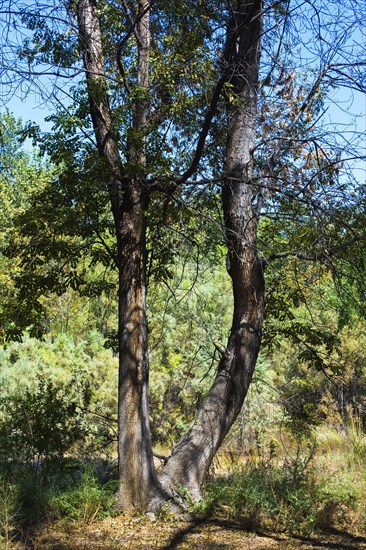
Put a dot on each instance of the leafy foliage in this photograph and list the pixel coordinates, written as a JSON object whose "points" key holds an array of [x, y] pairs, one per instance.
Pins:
{"points": [[268, 496], [333, 394], [54, 395], [41, 424], [189, 321]]}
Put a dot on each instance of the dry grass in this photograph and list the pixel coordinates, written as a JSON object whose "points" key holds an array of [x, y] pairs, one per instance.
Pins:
{"points": [[140, 533], [236, 515]]}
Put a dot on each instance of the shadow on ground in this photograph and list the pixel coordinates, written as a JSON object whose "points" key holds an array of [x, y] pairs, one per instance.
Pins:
{"points": [[342, 540], [170, 534], [254, 539]]}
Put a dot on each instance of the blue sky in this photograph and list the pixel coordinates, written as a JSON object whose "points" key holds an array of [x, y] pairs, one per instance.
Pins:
{"points": [[346, 109], [346, 113], [31, 109]]}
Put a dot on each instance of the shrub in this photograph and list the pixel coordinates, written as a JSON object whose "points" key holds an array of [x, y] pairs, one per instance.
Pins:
{"points": [[64, 490], [42, 422], [75, 381], [86, 500], [277, 497]]}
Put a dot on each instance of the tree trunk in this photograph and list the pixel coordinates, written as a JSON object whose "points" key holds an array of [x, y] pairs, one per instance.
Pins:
{"points": [[136, 468], [138, 480], [191, 459]]}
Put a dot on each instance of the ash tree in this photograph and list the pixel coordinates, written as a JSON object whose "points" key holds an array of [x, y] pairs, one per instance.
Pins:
{"points": [[160, 107]]}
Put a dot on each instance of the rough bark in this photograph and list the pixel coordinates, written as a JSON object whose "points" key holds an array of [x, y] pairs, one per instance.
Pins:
{"points": [[136, 468], [138, 480], [192, 457]]}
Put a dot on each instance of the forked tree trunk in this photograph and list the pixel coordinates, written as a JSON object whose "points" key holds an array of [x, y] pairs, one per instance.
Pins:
{"points": [[192, 457]]}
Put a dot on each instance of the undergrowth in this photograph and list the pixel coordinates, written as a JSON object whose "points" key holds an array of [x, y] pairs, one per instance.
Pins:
{"points": [[316, 488], [268, 498], [63, 491], [309, 486]]}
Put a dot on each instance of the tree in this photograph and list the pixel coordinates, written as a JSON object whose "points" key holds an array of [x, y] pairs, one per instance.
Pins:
{"points": [[22, 176], [140, 101], [191, 459], [189, 463]]}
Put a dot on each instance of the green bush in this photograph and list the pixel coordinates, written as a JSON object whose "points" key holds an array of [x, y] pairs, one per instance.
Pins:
{"points": [[64, 490], [269, 497], [54, 393], [86, 500], [43, 422]]}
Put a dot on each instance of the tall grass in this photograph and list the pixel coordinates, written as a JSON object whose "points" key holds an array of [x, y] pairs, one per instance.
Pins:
{"points": [[308, 484], [8, 513], [66, 491]]}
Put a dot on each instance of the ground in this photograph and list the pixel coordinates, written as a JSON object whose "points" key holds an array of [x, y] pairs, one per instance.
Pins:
{"points": [[168, 534]]}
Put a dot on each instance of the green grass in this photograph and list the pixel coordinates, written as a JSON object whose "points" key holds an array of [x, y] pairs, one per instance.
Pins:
{"points": [[304, 486], [67, 491], [311, 486]]}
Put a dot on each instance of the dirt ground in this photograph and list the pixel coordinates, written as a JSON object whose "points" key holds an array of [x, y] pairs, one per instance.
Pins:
{"points": [[144, 534]]}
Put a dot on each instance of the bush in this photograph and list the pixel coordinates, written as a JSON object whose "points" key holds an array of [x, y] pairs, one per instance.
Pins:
{"points": [[86, 500], [272, 497], [64, 378], [64, 490], [262, 498], [43, 422]]}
